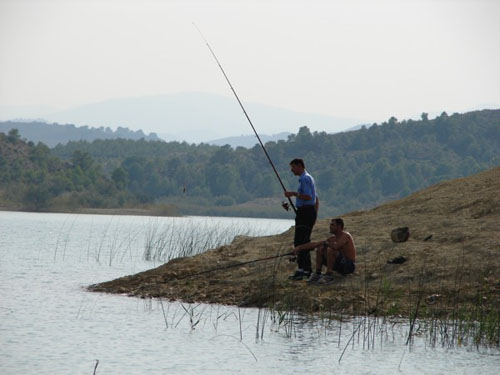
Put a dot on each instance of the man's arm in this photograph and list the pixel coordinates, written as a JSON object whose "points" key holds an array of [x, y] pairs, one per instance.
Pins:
{"points": [[304, 197], [308, 246], [337, 243], [305, 190]]}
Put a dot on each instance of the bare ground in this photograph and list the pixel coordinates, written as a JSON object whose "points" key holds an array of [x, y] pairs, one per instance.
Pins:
{"points": [[456, 269]]}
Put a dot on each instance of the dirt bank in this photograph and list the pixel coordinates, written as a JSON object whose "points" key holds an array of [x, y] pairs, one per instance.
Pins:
{"points": [[457, 266]]}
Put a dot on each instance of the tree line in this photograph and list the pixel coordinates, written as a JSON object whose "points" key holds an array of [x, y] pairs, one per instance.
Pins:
{"points": [[52, 134], [353, 170], [32, 178]]}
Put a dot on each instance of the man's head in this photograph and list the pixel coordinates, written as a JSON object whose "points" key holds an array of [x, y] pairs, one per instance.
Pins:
{"points": [[336, 225], [297, 166]]}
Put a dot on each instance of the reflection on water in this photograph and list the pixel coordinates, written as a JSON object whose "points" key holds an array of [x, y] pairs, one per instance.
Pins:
{"points": [[49, 324]]}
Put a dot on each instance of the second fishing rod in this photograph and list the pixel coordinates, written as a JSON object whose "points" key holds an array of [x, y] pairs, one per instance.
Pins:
{"points": [[225, 267], [248, 118]]}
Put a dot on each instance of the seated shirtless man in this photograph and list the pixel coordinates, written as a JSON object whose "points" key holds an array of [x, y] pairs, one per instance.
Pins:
{"points": [[337, 253]]}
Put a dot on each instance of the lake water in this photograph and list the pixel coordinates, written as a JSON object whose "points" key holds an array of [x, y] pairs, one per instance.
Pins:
{"points": [[49, 324]]}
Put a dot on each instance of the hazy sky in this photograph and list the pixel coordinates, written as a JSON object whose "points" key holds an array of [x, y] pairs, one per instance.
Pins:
{"points": [[362, 59]]}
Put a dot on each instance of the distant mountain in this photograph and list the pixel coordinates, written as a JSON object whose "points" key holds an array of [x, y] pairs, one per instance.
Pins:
{"points": [[24, 112], [196, 117], [358, 127], [248, 141], [52, 134]]}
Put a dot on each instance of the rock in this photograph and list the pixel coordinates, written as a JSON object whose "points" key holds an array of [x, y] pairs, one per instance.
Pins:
{"points": [[397, 260], [400, 234], [432, 299]]}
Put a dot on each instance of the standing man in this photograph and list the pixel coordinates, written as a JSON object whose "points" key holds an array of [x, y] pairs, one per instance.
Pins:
{"points": [[307, 204]]}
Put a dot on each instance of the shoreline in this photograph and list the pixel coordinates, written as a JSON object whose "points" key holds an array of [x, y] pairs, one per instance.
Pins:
{"points": [[99, 211], [451, 268]]}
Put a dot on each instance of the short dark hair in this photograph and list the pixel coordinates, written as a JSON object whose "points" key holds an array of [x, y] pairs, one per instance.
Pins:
{"points": [[339, 221], [298, 161]]}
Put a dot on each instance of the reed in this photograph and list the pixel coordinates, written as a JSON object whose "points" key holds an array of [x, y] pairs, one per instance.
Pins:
{"points": [[60, 233], [112, 242], [169, 239], [365, 332]]}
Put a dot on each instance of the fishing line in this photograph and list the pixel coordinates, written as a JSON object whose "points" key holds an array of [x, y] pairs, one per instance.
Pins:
{"points": [[231, 266], [246, 115]]}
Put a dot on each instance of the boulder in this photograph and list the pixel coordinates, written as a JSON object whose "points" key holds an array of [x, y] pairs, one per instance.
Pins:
{"points": [[400, 234]]}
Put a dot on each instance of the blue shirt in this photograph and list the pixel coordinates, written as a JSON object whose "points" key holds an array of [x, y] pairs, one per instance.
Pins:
{"points": [[307, 187]]}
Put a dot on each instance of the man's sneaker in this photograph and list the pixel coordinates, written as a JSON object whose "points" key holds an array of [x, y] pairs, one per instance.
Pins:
{"points": [[314, 278], [326, 279], [300, 275]]}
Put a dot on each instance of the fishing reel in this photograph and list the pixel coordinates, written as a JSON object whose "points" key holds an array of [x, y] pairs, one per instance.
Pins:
{"points": [[285, 205]]}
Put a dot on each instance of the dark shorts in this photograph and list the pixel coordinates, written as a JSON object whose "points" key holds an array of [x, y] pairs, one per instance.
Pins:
{"points": [[342, 265]]}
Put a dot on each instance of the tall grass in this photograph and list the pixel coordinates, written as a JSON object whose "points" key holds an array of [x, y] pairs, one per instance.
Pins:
{"points": [[157, 240], [168, 239], [108, 242], [367, 333]]}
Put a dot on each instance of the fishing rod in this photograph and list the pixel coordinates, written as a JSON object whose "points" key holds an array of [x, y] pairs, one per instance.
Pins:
{"points": [[248, 118], [233, 265]]}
